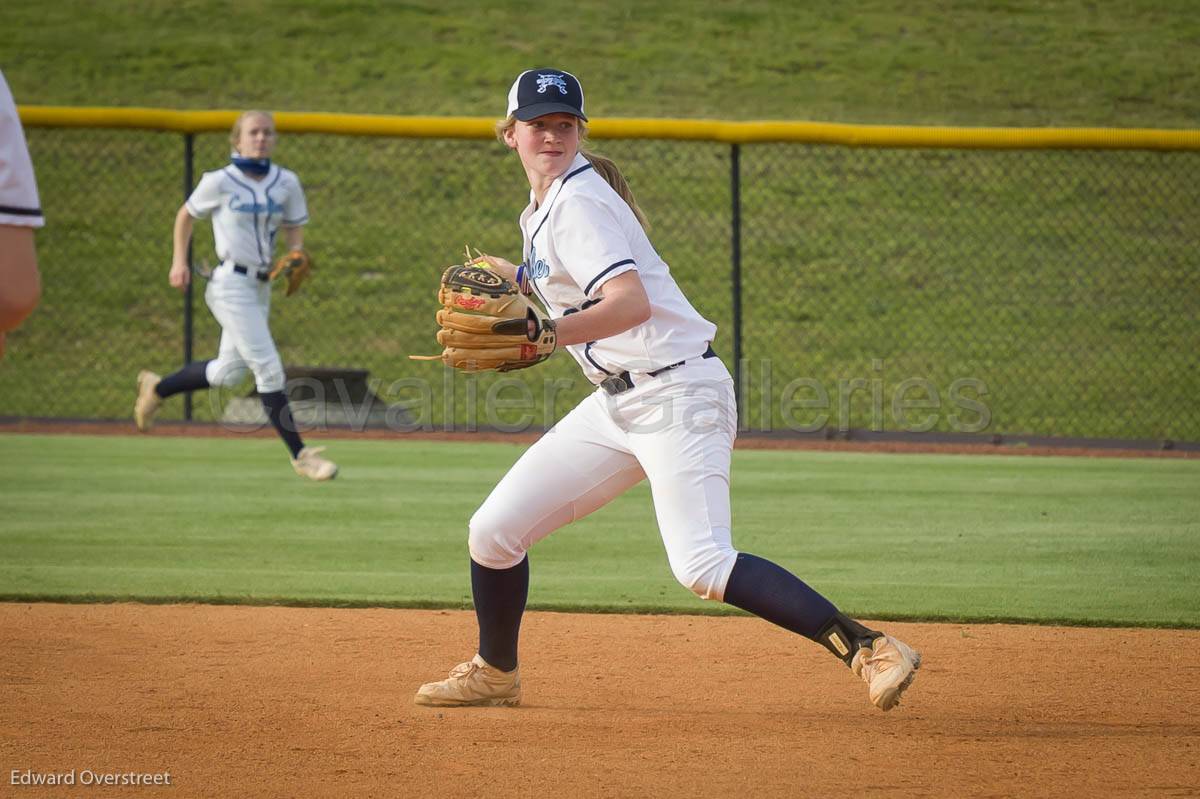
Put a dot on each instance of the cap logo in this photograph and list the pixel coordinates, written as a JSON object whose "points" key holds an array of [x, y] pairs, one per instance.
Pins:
{"points": [[547, 81]]}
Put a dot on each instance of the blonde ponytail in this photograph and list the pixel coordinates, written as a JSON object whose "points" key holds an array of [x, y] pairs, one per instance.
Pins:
{"points": [[609, 171]]}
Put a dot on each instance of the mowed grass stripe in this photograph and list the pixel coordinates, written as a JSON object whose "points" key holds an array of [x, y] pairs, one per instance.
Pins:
{"points": [[972, 538]]}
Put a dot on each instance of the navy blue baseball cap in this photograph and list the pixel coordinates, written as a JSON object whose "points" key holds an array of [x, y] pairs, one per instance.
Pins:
{"points": [[537, 92]]}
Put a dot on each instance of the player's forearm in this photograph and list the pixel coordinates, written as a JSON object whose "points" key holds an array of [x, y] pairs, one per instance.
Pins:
{"points": [[20, 284], [182, 236], [623, 305], [608, 318], [293, 237]]}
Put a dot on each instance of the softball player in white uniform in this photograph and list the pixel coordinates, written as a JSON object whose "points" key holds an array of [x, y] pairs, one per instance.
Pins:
{"points": [[663, 410], [250, 200], [20, 213]]}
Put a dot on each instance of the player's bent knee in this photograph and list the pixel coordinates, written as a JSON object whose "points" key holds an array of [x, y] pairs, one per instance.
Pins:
{"points": [[705, 573], [268, 377], [490, 546], [703, 585], [224, 375]]}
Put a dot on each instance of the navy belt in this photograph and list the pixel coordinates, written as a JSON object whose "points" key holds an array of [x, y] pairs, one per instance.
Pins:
{"points": [[619, 384], [262, 274]]}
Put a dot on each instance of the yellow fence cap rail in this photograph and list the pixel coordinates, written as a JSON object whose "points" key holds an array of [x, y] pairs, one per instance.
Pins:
{"points": [[287, 121], [879, 136], [893, 136]]}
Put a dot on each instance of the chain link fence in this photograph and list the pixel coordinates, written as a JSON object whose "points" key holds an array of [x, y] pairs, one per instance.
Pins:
{"points": [[911, 290]]}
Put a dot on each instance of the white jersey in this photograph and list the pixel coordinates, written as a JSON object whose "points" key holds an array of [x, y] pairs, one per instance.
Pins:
{"points": [[246, 213], [19, 203], [583, 235]]}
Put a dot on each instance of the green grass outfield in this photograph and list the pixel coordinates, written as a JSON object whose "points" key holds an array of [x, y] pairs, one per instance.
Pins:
{"points": [[971, 538]]}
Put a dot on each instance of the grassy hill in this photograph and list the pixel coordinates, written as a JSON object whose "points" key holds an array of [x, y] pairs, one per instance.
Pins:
{"points": [[1021, 62]]}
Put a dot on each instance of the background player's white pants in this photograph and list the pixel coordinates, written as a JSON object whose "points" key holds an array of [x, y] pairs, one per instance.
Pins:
{"points": [[241, 304], [676, 429]]}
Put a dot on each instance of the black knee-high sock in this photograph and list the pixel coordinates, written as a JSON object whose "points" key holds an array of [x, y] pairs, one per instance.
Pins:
{"points": [[775, 594], [280, 414], [189, 378], [499, 596]]}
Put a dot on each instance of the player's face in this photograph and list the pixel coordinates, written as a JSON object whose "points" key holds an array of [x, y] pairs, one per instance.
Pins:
{"points": [[257, 137], [547, 145]]}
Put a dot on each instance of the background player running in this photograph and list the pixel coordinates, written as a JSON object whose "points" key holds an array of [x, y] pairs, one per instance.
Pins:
{"points": [[664, 410], [249, 200]]}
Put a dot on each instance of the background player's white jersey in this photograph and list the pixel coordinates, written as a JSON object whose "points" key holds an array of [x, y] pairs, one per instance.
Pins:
{"points": [[581, 236], [248, 212], [18, 189]]}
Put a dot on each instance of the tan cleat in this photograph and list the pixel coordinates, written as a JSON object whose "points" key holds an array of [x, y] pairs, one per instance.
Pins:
{"points": [[148, 401], [473, 684], [887, 667], [310, 464]]}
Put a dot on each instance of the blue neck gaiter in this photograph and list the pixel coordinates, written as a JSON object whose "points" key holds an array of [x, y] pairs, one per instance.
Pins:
{"points": [[251, 166]]}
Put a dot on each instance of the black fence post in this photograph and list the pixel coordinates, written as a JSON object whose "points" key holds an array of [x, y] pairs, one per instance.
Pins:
{"points": [[735, 275], [188, 142]]}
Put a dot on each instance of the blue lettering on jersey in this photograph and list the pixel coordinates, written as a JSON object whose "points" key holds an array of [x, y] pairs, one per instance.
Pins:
{"points": [[253, 207], [538, 268]]}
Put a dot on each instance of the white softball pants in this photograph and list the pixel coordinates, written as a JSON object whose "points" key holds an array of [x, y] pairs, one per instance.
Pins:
{"points": [[677, 430], [241, 304]]}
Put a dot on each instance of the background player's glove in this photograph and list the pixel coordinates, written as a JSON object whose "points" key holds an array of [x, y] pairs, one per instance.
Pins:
{"points": [[295, 267], [487, 323]]}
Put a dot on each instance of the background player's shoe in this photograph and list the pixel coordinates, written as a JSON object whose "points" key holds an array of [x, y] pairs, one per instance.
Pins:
{"points": [[887, 667], [473, 683], [148, 401], [310, 464]]}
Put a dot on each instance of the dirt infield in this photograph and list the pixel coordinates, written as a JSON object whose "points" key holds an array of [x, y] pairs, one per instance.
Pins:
{"points": [[244, 701]]}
